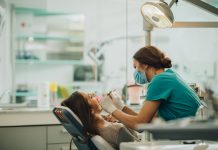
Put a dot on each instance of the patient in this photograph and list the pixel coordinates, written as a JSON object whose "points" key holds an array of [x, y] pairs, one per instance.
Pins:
{"points": [[87, 108]]}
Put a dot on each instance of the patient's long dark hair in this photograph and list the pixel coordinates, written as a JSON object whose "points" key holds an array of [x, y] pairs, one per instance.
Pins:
{"points": [[80, 106]]}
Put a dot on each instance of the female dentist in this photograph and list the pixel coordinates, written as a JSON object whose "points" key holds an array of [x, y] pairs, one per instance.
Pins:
{"points": [[167, 94]]}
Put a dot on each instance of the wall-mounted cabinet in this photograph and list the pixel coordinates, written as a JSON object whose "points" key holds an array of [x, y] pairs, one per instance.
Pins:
{"points": [[46, 47], [43, 35]]}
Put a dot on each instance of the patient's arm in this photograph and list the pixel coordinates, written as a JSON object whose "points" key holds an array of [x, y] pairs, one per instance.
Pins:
{"points": [[126, 109], [125, 135], [115, 133], [110, 118]]}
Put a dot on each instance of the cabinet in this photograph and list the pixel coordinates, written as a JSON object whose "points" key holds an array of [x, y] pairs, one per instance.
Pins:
{"points": [[25, 138], [58, 138], [46, 47], [51, 137]]}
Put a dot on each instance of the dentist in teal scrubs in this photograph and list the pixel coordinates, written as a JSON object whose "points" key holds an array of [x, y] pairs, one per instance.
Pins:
{"points": [[168, 95]]}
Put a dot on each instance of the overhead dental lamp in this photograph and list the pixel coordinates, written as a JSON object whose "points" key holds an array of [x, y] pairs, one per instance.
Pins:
{"points": [[158, 13]]}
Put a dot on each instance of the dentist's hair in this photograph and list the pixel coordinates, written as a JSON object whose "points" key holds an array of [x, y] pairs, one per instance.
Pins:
{"points": [[153, 57], [81, 107]]}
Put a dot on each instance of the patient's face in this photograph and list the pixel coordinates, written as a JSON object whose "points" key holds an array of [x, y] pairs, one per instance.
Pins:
{"points": [[92, 100]]}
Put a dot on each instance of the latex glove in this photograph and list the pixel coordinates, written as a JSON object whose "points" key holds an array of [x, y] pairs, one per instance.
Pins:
{"points": [[118, 102], [107, 104]]}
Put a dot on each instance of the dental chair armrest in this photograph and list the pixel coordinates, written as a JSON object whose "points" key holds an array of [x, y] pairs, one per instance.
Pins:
{"points": [[100, 143]]}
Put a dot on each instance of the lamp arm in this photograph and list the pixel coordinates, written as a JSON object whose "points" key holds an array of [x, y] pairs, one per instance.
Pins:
{"points": [[172, 2], [92, 55]]}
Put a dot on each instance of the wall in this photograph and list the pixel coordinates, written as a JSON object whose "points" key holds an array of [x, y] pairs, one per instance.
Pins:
{"points": [[191, 49], [104, 20], [6, 75], [5, 61]]}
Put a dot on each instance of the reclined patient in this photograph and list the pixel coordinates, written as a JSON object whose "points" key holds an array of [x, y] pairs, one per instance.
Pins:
{"points": [[87, 108]]}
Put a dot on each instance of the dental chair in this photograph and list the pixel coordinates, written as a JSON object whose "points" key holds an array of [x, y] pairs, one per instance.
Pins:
{"points": [[74, 126]]}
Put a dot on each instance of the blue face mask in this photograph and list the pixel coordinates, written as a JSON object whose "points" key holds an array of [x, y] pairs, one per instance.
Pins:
{"points": [[140, 77]]}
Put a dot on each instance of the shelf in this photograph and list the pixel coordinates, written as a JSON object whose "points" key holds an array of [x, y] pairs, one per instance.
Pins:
{"points": [[39, 12], [47, 37], [25, 94], [62, 30], [86, 83], [50, 62]]}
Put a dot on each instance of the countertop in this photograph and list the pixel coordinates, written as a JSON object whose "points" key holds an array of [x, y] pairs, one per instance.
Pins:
{"points": [[27, 117], [26, 109]]}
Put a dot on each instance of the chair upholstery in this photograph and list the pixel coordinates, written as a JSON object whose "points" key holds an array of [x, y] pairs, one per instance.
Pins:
{"points": [[74, 126]]}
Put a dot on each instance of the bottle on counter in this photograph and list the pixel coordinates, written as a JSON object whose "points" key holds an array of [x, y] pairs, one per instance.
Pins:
{"points": [[53, 93], [43, 95]]}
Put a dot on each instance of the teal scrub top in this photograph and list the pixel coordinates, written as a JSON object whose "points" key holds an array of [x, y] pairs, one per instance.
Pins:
{"points": [[177, 98]]}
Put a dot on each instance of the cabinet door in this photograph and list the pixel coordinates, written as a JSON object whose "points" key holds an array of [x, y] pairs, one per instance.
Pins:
{"points": [[61, 147], [23, 138], [58, 134]]}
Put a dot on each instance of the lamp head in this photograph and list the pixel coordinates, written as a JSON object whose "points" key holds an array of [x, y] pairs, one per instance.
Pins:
{"points": [[158, 14]]}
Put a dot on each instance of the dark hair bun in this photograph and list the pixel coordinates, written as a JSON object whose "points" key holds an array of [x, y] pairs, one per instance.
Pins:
{"points": [[166, 62]]}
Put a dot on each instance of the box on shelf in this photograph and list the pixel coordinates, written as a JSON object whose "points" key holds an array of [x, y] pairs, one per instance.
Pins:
{"points": [[65, 55]]}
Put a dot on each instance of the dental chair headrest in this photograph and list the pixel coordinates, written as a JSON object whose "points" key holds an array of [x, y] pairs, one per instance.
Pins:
{"points": [[71, 112]]}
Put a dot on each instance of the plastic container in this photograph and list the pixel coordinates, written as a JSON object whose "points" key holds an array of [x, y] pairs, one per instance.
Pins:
{"points": [[53, 87], [43, 95], [134, 93]]}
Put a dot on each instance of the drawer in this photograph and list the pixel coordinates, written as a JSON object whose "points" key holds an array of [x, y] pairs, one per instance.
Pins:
{"points": [[58, 134], [61, 147]]}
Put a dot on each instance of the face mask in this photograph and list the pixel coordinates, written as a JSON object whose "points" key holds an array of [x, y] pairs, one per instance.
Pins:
{"points": [[140, 77]]}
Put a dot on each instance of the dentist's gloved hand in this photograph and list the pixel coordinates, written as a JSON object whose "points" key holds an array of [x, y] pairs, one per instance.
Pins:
{"points": [[107, 104], [118, 102]]}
